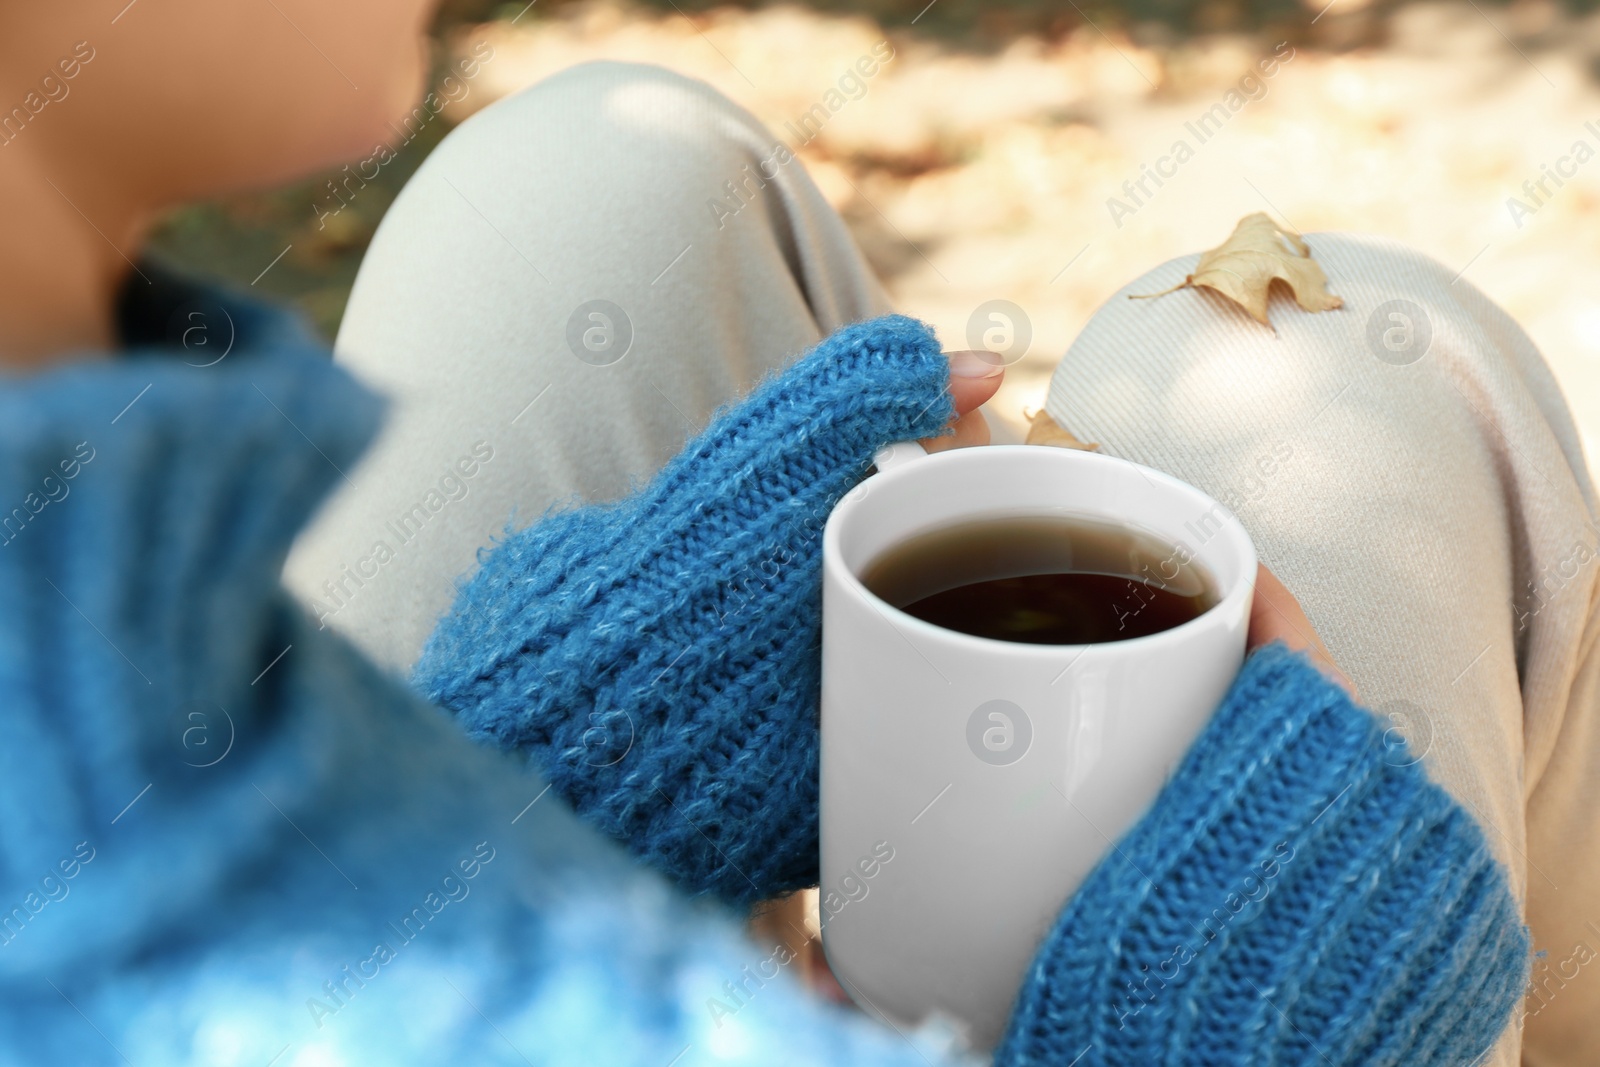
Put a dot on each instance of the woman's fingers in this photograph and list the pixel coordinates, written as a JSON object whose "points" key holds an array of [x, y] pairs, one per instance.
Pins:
{"points": [[974, 378], [971, 429], [1275, 615]]}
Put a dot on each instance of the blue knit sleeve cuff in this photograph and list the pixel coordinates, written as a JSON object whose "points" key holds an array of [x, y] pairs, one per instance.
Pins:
{"points": [[657, 659], [1300, 893]]}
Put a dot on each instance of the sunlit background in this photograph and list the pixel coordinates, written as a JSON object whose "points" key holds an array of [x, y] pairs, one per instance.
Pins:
{"points": [[979, 163]]}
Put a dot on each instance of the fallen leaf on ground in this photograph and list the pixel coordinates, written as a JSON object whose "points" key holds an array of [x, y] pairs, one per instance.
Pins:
{"points": [[1258, 253], [1043, 430]]}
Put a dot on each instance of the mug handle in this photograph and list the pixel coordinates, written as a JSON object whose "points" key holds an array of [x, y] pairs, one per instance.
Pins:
{"points": [[898, 455]]}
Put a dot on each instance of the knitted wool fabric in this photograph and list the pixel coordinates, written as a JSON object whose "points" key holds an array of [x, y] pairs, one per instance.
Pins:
{"points": [[1298, 887], [657, 658], [1301, 893], [227, 840]]}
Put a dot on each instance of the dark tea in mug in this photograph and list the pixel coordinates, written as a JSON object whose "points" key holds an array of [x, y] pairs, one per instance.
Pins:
{"points": [[1043, 579]]}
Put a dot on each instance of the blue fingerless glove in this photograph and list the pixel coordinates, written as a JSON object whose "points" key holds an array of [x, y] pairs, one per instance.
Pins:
{"points": [[1299, 894], [657, 659]]}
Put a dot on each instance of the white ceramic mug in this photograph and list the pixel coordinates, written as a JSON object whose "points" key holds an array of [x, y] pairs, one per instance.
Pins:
{"points": [[969, 785]]}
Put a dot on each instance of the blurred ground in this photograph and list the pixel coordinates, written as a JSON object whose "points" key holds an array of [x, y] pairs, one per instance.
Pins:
{"points": [[978, 164]]}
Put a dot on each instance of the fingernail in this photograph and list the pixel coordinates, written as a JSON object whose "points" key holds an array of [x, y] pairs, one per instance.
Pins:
{"points": [[976, 364]]}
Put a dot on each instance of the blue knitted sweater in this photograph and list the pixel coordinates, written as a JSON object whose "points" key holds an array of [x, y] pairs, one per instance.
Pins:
{"points": [[226, 839]]}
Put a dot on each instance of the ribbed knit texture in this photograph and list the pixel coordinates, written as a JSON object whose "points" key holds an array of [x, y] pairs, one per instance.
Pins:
{"points": [[235, 884], [657, 658], [682, 721], [1301, 893], [261, 808]]}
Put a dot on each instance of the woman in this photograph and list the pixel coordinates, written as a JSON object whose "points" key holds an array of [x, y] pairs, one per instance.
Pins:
{"points": [[230, 839]]}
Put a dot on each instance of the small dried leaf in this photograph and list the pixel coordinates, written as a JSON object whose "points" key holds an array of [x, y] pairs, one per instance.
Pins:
{"points": [[1258, 253], [1043, 430]]}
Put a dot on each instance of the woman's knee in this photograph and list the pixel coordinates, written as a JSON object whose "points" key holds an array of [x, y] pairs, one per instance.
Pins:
{"points": [[1192, 362], [624, 137]]}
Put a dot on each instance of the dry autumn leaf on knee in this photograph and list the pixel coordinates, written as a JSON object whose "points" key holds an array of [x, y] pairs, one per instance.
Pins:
{"points": [[1258, 253]]}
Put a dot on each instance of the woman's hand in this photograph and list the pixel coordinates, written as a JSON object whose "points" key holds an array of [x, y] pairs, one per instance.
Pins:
{"points": [[974, 378], [1275, 615]]}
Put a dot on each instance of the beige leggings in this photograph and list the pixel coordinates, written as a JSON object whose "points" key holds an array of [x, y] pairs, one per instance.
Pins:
{"points": [[554, 306]]}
